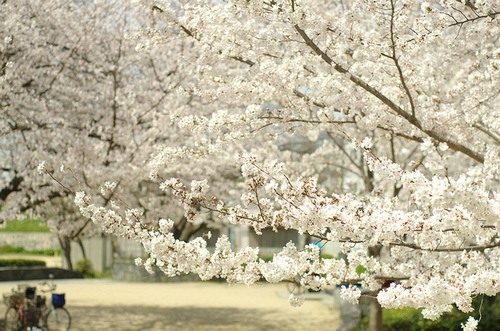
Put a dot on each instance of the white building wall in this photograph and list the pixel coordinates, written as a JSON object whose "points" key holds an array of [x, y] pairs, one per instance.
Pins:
{"points": [[98, 251]]}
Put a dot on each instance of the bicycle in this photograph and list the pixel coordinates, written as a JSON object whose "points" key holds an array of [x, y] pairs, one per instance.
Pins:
{"points": [[29, 312]]}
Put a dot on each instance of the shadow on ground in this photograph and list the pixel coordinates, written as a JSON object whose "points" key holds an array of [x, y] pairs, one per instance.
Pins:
{"points": [[176, 318], [133, 318]]}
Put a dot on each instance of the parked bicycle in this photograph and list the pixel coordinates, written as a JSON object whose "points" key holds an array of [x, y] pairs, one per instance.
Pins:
{"points": [[29, 312]]}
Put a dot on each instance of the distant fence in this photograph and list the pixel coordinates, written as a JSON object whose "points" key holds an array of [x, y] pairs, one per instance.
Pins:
{"points": [[29, 240]]}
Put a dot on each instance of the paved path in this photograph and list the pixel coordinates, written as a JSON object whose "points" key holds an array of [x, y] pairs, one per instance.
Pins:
{"points": [[109, 305]]}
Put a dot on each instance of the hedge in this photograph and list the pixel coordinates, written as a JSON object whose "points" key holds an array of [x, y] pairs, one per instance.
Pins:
{"points": [[17, 263], [8, 249], [409, 319]]}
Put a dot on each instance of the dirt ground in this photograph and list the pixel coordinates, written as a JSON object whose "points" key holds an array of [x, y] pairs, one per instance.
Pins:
{"points": [[109, 305]]}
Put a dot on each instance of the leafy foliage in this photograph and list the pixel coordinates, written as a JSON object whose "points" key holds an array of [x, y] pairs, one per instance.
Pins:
{"points": [[85, 267]]}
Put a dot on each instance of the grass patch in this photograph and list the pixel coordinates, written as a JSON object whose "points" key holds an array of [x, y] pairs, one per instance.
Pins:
{"points": [[8, 249], [25, 226]]}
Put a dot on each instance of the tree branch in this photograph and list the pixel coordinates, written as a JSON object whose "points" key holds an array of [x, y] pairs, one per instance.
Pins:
{"points": [[13, 186], [242, 60], [397, 109], [491, 15], [490, 134], [300, 120], [396, 62]]}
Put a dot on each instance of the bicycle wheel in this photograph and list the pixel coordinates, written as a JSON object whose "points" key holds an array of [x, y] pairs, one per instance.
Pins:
{"points": [[12, 322], [58, 319]]}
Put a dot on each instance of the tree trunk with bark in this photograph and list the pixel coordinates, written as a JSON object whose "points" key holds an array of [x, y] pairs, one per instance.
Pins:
{"points": [[375, 308], [375, 315], [65, 244]]}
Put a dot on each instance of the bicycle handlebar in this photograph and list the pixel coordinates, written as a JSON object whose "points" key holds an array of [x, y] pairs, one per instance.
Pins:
{"points": [[49, 287]]}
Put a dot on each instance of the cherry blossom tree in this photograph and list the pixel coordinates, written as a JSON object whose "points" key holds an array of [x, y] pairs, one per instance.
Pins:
{"points": [[77, 95], [397, 103], [401, 94]]}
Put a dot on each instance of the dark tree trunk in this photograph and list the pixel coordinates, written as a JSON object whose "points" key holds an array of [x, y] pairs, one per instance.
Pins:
{"points": [[375, 308], [82, 248], [65, 243], [375, 315]]}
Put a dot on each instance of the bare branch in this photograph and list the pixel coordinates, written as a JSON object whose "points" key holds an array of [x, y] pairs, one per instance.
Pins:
{"points": [[396, 62], [466, 19], [487, 132], [307, 99], [454, 249], [242, 60], [300, 120]]}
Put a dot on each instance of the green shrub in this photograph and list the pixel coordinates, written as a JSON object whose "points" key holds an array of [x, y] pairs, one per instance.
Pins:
{"points": [[47, 252], [106, 273], [16, 263], [266, 258], [85, 267], [8, 249], [409, 319]]}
